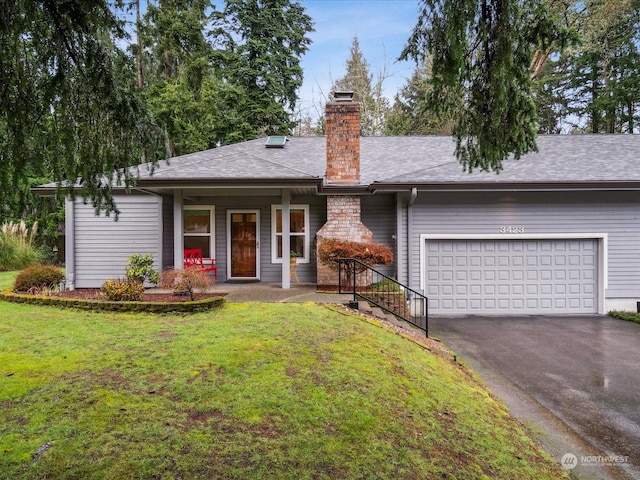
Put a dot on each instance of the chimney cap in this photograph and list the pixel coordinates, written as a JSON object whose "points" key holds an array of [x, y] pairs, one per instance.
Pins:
{"points": [[343, 95]]}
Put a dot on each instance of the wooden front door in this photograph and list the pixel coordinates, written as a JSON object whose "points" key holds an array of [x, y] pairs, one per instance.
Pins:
{"points": [[244, 244]]}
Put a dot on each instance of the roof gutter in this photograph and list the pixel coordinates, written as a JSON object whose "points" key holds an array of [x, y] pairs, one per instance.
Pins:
{"points": [[226, 182], [501, 187], [147, 186]]}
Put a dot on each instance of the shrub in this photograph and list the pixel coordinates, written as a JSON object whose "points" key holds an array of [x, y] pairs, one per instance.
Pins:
{"points": [[330, 250], [140, 268], [185, 280], [384, 285], [123, 290], [38, 277], [17, 249]]}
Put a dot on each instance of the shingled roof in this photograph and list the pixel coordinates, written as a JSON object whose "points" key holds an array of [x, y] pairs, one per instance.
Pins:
{"points": [[393, 163], [426, 160]]}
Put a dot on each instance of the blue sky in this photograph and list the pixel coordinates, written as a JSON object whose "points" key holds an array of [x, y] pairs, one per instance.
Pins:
{"points": [[382, 27]]}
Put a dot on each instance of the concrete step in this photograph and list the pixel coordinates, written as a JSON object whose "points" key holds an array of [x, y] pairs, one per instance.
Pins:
{"points": [[364, 307], [377, 312]]}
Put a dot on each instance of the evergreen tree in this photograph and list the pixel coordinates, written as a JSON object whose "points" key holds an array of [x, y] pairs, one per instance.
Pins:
{"points": [[64, 113], [181, 87], [601, 77], [260, 44], [358, 79], [482, 54], [409, 114]]}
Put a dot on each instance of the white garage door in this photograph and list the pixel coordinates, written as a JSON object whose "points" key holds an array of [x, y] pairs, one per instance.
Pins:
{"points": [[511, 276]]}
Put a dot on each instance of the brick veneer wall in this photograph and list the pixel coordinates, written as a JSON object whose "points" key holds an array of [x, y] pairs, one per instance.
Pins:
{"points": [[343, 167], [343, 142], [343, 222]]}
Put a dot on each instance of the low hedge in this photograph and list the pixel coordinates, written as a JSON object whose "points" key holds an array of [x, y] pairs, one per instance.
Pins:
{"points": [[111, 306]]}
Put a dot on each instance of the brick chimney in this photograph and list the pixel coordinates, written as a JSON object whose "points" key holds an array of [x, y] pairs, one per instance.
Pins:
{"points": [[343, 168], [343, 139]]}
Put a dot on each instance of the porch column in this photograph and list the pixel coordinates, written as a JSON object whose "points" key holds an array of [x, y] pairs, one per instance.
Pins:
{"points": [[286, 239], [178, 225]]}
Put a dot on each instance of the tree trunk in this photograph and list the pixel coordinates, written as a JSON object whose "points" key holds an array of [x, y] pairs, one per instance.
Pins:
{"points": [[139, 45]]}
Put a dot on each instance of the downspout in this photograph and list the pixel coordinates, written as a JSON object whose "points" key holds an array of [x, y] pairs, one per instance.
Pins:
{"points": [[70, 243], [399, 241], [178, 225], [286, 239], [410, 249]]}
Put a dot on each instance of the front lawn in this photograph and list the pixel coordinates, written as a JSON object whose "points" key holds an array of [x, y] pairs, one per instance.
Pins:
{"points": [[279, 391], [7, 278]]}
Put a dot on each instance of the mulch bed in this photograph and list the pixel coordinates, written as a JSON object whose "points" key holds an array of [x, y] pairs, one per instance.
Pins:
{"points": [[96, 294]]}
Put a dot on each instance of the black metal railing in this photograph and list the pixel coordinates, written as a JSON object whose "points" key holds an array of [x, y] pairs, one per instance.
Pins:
{"points": [[386, 293]]}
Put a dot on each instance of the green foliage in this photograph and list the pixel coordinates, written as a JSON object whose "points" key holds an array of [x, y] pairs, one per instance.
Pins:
{"points": [[123, 290], [384, 285], [65, 113], [330, 250], [409, 114], [186, 280], [76, 106], [623, 315], [481, 53], [140, 268], [38, 277], [595, 83], [262, 45], [179, 84], [359, 79], [17, 248]]}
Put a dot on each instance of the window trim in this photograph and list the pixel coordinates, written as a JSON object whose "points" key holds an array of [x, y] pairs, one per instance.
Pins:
{"points": [[212, 220], [275, 234]]}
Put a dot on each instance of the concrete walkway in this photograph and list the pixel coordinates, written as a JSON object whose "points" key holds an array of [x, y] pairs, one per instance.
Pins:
{"points": [[273, 292]]}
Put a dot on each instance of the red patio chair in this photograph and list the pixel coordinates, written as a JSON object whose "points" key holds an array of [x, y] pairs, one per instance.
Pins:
{"points": [[193, 259]]}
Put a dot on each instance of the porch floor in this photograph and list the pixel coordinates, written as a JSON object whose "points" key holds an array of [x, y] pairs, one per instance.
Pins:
{"points": [[272, 292]]}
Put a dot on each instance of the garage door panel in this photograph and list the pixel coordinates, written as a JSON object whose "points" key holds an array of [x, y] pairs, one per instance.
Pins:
{"points": [[512, 276]]}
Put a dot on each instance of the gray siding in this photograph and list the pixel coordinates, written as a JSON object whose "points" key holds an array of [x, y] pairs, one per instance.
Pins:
{"points": [[103, 245], [613, 213], [167, 232], [269, 271], [378, 213]]}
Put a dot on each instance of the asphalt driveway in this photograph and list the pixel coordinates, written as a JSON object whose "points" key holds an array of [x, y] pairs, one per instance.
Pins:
{"points": [[574, 381]]}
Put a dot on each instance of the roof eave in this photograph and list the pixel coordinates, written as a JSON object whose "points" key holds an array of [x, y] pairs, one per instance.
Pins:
{"points": [[379, 187], [232, 181]]}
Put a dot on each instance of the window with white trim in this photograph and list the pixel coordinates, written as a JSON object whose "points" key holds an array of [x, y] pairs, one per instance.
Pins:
{"points": [[199, 229], [298, 233]]}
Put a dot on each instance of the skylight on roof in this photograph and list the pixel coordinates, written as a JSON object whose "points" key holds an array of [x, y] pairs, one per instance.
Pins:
{"points": [[276, 141]]}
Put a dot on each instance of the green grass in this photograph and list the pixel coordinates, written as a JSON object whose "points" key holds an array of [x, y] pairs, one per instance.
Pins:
{"points": [[250, 391], [7, 278]]}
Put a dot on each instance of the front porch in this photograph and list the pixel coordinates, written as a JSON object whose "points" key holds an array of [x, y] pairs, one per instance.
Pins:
{"points": [[250, 234]]}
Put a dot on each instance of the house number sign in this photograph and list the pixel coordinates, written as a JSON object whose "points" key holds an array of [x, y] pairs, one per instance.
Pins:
{"points": [[511, 229]]}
